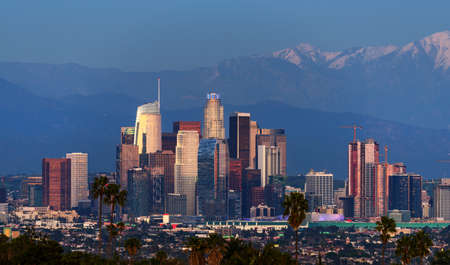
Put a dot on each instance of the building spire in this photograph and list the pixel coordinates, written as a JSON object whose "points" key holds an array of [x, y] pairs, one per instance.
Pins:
{"points": [[159, 94]]}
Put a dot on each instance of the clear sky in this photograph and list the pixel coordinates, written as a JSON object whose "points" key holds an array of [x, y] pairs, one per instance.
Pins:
{"points": [[147, 35]]}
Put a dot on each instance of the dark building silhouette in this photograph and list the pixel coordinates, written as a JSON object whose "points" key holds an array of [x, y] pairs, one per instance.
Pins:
{"points": [[405, 193], [251, 178], [235, 175], [165, 160], [56, 183], [187, 126], [239, 141], [169, 142], [139, 193]]}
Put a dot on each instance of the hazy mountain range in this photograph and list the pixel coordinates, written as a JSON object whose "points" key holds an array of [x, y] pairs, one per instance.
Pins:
{"points": [[48, 110]]}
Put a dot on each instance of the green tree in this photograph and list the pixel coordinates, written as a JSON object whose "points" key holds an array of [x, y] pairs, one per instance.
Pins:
{"points": [[197, 248], [405, 249], [386, 227], [237, 252], [441, 258], [132, 245], [422, 244], [295, 206], [98, 191], [114, 196]]}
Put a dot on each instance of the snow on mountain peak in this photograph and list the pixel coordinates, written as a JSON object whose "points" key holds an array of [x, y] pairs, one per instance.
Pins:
{"points": [[436, 46]]}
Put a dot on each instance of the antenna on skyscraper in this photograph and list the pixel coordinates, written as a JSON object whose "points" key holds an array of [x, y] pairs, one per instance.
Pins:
{"points": [[159, 93]]}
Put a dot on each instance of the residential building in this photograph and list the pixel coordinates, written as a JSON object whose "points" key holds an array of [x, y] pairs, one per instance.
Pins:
{"points": [[320, 183]]}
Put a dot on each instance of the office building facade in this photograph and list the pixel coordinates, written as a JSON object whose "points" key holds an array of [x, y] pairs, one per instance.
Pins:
{"points": [[139, 193], [78, 178], [320, 183], [56, 183], [186, 168], [239, 141], [213, 122], [442, 200], [148, 128], [212, 184], [406, 193]]}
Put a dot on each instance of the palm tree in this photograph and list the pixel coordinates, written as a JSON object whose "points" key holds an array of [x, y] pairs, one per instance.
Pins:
{"points": [[197, 248], [386, 227], [132, 245], [215, 248], [98, 191], [405, 249], [422, 243], [295, 206], [114, 196]]}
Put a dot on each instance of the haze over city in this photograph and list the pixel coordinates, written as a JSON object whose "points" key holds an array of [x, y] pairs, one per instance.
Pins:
{"points": [[213, 132]]}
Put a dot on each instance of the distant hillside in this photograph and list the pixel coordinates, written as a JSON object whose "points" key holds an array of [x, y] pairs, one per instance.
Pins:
{"points": [[34, 127], [408, 84]]}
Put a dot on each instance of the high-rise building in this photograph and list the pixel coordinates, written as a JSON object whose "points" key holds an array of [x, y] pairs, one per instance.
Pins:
{"points": [[157, 199], [235, 175], [250, 178], [253, 147], [213, 122], [442, 199], [406, 193], [234, 205], [320, 183], [274, 193], [269, 162], [79, 189], [127, 135], [212, 181], [139, 193], [148, 128], [127, 157], [239, 133], [165, 160], [363, 160], [35, 194], [277, 138], [56, 183], [188, 126], [169, 142], [186, 168]]}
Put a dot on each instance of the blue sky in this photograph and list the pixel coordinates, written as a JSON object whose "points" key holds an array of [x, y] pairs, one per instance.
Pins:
{"points": [[141, 35]]}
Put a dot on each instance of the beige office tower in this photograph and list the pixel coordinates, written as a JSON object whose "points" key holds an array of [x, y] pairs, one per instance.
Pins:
{"points": [[213, 125], [253, 131], [79, 188], [148, 128], [268, 162], [186, 168]]}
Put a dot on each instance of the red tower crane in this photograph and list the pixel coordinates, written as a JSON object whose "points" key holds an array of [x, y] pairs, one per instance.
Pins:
{"points": [[354, 127]]}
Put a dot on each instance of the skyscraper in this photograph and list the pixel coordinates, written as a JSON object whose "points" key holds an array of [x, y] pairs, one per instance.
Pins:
{"points": [[277, 138], [127, 135], [212, 178], [127, 157], [253, 147], [148, 127], [320, 183], [363, 160], [406, 193], [251, 179], [269, 162], [239, 133], [213, 122], [187, 126], [165, 160], [169, 141], [79, 188], [139, 193], [186, 168], [442, 199], [56, 183], [235, 175]]}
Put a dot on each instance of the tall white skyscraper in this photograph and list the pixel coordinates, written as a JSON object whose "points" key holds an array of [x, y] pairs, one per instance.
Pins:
{"points": [[148, 127], [79, 188], [213, 125], [320, 183], [186, 168]]}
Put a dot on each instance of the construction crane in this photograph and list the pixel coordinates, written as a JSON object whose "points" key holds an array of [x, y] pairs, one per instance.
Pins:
{"points": [[354, 127]]}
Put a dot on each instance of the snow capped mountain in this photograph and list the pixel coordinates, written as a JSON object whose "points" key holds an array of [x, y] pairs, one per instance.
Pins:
{"points": [[435, 47]]}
